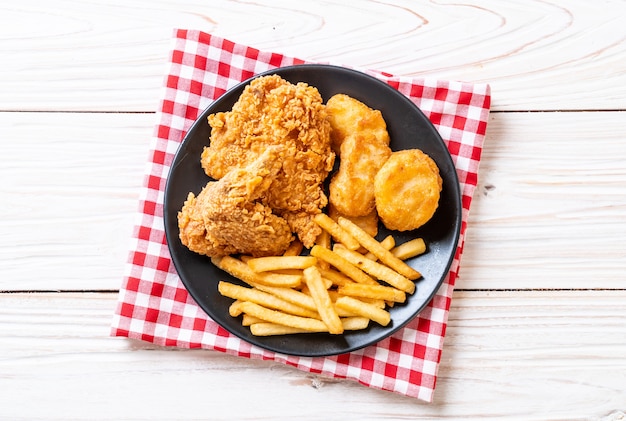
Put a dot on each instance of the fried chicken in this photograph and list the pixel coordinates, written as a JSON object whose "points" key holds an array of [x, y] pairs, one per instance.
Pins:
{"points": [[228, 216], [272, 111]]}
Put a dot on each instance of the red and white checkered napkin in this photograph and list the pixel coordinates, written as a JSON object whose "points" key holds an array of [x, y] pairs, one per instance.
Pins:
{"points": [[154, 305]]}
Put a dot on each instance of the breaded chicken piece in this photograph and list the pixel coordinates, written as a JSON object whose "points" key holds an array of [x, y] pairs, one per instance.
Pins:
{"points": [[227, 216], [348, 115], [407, 190], [272, 111], [360, 134]]}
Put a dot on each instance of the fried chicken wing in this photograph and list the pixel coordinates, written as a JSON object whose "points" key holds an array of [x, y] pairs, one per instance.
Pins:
{"points": [[272, 111], [360, 135], [227, 217]]}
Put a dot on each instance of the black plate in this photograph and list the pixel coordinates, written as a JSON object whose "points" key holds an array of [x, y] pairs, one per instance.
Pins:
{"points": [[408, 128]]}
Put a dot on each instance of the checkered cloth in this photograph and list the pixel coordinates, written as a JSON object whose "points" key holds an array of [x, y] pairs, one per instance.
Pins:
{"points": [[154, 305]]}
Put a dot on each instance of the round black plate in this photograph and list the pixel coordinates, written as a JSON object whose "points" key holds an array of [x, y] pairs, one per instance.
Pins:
{"points": [[408, 128]]}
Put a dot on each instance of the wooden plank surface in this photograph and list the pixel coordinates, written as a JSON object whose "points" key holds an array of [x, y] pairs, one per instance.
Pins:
{"points": [[548, 211], [527, 356], [100, 55], [537, 325]]}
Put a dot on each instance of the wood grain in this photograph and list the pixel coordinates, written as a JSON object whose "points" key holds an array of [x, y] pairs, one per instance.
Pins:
{"points": [[70, 188], [526, 356], [548, 211], [107, 56], [536, 330], [549, 208]]}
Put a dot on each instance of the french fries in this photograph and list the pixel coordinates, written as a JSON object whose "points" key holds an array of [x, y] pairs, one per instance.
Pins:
{"points": [[378, 250], [376, 270], [339, 286], [409, 249], [342, 264], [373, 291], [242, 271], [340, 235], [322, 301], [270, 263], [369, 311], [253, 295], [294, 249], [270, 329]]}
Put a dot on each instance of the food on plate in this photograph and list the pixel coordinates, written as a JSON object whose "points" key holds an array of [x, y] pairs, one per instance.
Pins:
{"points": [[407, 190], [269, 158], [363, 309], [376, 270], [331, 300], [348, 115], [368, 223], [359, 135], [378, 250], [273, 111], [411, 248], [335, 231], [270, 263], [228, 217], [324, 305]]}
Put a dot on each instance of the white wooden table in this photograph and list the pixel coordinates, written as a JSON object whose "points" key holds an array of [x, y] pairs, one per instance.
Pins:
{"points": [[537, 329]]}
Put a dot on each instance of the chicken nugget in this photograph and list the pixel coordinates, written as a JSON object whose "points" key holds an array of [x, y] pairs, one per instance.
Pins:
{"points": [[360, 134], [348, 116], [407, 190]]}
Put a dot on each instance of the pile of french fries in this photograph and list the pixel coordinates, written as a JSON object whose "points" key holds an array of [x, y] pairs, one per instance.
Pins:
{"points": [[347, 280]]}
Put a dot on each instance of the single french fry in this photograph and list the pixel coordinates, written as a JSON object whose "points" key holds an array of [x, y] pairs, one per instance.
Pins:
{"points": [[376, 302], [323, 240], [342, 265], [291, 295], [336, 277], [238, 292], [248, 320], [324, 305], [292, 272], [385, 256], [294, 249], [270, 263], [375, 269], [235, 308], [360, 308], [281, 318], [409, 249], [339, 234], [271, 329], [379, 292], [242, 271], [388, 242]]}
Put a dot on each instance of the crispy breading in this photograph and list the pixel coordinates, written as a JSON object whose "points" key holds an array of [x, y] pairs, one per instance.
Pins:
{"points": [[228, 216], [360, 135], [272, 111], [407, 190]]}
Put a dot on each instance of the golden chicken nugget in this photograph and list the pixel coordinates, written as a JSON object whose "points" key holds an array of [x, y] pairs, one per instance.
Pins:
{"points": [[359, 134], [407, 190], [348, 115]]}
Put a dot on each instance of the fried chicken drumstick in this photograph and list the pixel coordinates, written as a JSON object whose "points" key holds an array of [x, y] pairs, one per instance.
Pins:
{"points": [[228, 216]]}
